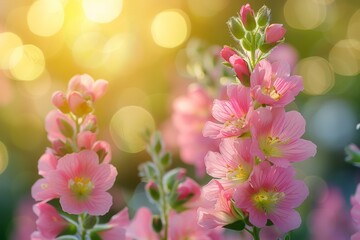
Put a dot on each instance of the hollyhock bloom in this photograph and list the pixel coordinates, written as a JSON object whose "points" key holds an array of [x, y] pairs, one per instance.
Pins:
{"points": [[87, 87], [140, 227], [330, 220], [274, 33], [190, 115], [81, 183], [272, 194], [231, 166], [276, 136], [244, 11], [49, 223], [119, 223], [272, 85], [233, 115], [217, 212]]}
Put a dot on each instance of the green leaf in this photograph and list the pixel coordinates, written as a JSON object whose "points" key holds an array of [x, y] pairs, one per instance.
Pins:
{"points": [[287, 237], [237, 226], [165, 160], [353, 155], [67, 237], [236, 28]]}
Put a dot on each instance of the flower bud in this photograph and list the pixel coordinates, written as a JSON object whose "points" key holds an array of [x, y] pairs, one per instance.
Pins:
{"points": [[263, 16], [65, 127], [241, 69], [174, 177], [227, 52], [157, 224], [236, 28], [247, 17], [152, 191], [59, 101], [78, 105], [274, 33]]}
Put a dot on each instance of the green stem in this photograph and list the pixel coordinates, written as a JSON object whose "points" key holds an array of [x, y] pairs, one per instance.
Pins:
{"points": [[256, 232], [82, 229], [163, 202]]}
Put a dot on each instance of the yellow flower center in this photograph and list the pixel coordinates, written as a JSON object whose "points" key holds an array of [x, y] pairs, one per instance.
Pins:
{"points": [[270, 146], [235, 122], [271, 92], [267, 200], [81, 187], [239, 173]]}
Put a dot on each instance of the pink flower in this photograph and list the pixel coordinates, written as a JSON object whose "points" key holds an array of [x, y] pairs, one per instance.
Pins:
{"points": [[59, 100], [81, 183], [190, 114], [231, 167], [140, 227], [271, 84], [119, 223], [87, 87], [217, 212], [272, 194], [274, 33], [331, 220], [233, 114], [49, 223], [87, 140], [276, 136], [244, 11]]}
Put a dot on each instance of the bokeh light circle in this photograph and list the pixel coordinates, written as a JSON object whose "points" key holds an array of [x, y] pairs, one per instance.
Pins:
{"points": [[27, 62], [8, 42], [304, 14], [170, 28], [354, 26], [4, 158], [45, 17], [102, 11], [317, 74], [127, 128], [344, 57]]}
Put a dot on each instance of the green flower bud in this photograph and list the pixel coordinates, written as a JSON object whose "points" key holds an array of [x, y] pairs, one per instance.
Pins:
{"points": [[236, 28], [263, 16]]}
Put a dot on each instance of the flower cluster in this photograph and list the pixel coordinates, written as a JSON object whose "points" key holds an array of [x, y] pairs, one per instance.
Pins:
{"points": [[253, 181], [76, 170]]}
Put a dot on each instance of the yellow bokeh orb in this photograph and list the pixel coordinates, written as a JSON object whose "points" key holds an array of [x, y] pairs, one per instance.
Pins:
{"points": [[8, 42], [304, 14], [4, 158], [102, 11], [344, 57], [317, 74], [354, 26], [45, 17], [127, 128], [170, 28], [27, 62]]}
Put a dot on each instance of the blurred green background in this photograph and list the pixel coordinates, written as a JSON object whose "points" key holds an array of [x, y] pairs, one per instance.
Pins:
{"points": [[136, 45]]}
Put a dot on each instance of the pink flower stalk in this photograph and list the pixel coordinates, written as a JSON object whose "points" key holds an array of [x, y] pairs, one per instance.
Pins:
{"points": [[140, 227], [190, 115], [119, 223], [87, 87], [330, 220], [231, 166], [81, 183], [233, 115], [274, 33], [217, 212], [244, 11], [49, 223], [272, 85], [276, 136], [272, 194]]}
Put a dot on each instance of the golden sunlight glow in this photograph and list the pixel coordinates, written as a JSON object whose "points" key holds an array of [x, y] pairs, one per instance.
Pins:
{"points": [[170, 28], [27, 62], [127, 128], [317, 74], [45, 17], [88, 49], [344, 57], [8, 42], [354, 26], [102, 11], [206, 8], [3, 157], [305, 14]]}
